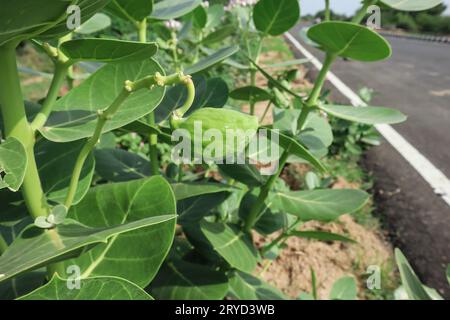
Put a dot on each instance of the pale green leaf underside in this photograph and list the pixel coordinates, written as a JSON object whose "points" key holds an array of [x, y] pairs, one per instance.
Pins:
{"points": [[98, 22], [350, 40], [233, 245], [36, 247], [322, 205], [13, 163], [107, 50], [98, 288], [275, 17], [135, 256], [172, 9], [344, 289], [182, 280], [250, 93], [412, 5], [367, 115], [75, 115]]}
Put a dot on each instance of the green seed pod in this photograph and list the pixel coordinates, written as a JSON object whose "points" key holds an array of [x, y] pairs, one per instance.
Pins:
{"points": [[207, 126]]}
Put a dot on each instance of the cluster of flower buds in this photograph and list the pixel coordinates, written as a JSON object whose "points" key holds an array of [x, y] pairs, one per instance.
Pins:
{"points": [[205, 4], [173, 25], [236, 3]]}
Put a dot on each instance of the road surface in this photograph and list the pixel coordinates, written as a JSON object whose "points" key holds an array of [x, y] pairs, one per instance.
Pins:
{"points": [[415, 80]]}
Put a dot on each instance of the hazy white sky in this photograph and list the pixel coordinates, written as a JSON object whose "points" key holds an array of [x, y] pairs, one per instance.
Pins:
{"points": [[339, 6]]}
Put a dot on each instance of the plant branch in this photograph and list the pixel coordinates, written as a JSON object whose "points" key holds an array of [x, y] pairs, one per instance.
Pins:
{"points": [[105, 115], [311, 103], [327, 10], [17, 126]]}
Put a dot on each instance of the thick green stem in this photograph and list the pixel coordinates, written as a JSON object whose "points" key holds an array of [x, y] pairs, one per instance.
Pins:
{"points": [[17, 126], [327, 10], [257, 208], [253, 71], [61, 70], [359, 17]]}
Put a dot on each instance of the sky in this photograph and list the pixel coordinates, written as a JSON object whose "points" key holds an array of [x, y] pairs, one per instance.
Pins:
{"points": [[340, 6]]}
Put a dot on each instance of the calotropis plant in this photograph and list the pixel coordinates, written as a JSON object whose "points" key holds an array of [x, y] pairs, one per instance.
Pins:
{"points": [[73, 206]]}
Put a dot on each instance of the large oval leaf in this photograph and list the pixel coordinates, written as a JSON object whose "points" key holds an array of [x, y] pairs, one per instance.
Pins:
{"points": [[182, 280], [368, 115], [107, 50], [98, 288], [98, 22], [275, 17], [75, 115], [232, 244], [350, 40], [322, 205], [412, 5], [172, 9], [125, 256], [65, 241], [13, 164]]}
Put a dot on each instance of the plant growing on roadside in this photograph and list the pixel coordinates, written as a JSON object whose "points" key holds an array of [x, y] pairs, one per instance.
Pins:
{"points": [[151, 223]]}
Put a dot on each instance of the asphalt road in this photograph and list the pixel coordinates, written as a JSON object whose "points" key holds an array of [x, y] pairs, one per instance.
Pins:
{"points": [[415, 80]]}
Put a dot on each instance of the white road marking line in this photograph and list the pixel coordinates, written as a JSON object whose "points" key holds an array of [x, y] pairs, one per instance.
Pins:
{"points": [[435, 177]]}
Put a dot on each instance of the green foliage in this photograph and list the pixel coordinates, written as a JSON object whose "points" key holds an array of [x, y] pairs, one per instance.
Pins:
{"points": [[101, 190]]}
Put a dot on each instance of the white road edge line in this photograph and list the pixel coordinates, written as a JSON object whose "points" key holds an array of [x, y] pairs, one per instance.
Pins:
{"points": [[435, 177]]}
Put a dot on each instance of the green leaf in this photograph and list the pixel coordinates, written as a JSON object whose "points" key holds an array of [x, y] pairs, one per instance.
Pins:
{"points": [[367, 115], [413, 286], [350, 40], [63, 242], [118, 165], [211, 93], [107, 50], [412, 5], [212, 60], [244, 286], [322, 205], [182, 280], [188, 190], [97, 23], [55, 163], [317, 133], [46, 18], [131, 10], [172, 9], [448, 274], [275, 17], [218, 35], [250, 93], [125, 256], [295, 148], [199, 17], [248, 174], [269, 222], [215, 14], [98, 288], [194, 209], [75, 115], [321, 235], [232, 244], [13, 164], [344, 289]]}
